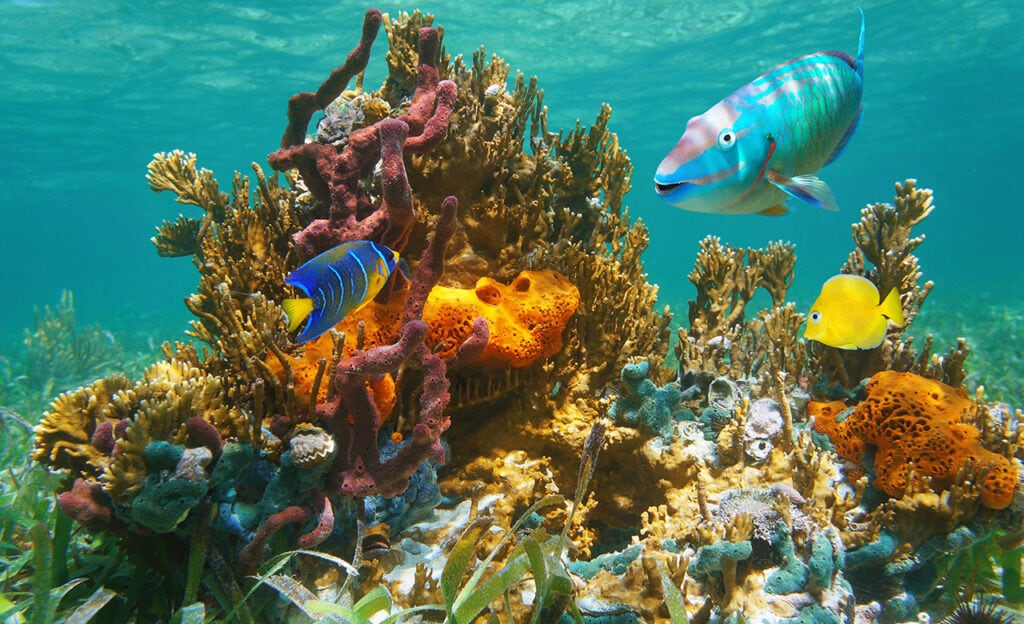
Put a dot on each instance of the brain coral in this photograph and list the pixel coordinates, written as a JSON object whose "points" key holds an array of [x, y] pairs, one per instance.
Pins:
{"points": [[915, 423]]}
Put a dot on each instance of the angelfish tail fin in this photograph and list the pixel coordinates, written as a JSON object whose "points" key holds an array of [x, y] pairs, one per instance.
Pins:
{"points": [[297, 311], [891, 307]]}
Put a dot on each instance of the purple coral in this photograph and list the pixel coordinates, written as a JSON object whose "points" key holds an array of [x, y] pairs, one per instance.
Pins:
{"points": [[334, 174], [353, 417]]}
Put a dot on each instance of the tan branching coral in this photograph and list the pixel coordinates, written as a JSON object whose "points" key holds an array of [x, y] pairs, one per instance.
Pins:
{"points": [[719, 340], [884, 255], [241, 248], [83, 428]]}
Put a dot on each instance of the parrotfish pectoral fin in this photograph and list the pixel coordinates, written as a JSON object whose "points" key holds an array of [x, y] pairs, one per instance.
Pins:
{"points": [[891, 308], [297, 311], [807, 188], [775, 211]]}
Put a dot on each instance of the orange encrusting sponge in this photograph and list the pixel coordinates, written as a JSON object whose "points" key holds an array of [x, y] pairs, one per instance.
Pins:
{"points": [[526, 319], [916, 424]]}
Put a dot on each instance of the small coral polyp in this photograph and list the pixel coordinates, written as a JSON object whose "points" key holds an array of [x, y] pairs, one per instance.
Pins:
{"points": [[916, 425]]}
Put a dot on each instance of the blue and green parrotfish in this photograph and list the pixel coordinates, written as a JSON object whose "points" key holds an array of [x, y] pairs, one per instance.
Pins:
{"points": [[337, 282], [765, 143]]}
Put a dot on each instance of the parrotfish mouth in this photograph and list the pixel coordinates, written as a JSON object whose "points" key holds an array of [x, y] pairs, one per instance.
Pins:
{"points": [[665, 189]]}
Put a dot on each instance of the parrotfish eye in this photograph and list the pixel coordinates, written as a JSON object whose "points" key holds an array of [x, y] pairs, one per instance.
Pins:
{"points": [[815, 316], [726, 138]]}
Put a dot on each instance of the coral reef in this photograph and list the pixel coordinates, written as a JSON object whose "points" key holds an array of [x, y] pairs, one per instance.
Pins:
{"points": [[526, 325], [526, 320]]}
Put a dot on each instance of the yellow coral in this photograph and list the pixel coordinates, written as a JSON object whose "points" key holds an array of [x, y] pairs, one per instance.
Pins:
{"points": [[917, 424], [64, 436]]}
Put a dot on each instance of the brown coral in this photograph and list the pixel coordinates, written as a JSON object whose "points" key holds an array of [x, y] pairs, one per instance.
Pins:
{"points": [[917, 425]]}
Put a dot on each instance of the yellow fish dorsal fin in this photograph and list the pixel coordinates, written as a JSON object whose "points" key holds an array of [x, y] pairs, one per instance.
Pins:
{"points": [[775, 211], [891, 308], [297, 311]]}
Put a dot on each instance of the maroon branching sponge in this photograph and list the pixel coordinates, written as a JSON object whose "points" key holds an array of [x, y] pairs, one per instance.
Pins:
{"points": [[352, 416], [333, 173], [324, 524], [250, 556]]}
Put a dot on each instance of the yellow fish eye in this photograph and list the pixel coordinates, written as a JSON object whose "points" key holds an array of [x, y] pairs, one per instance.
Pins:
{"points": [[815, 316]]}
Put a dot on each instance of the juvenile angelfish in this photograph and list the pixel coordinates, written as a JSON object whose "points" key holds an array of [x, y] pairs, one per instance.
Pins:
{"points": [[765, 142], [337, 282], [848, 315]]}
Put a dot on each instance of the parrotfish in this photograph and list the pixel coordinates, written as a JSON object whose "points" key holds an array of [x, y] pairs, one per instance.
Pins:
{"points": [[765, 142], [337, 282], [848, 315]]}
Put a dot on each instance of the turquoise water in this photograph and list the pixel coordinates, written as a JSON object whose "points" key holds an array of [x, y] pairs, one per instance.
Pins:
{"points": [[89, 93]]}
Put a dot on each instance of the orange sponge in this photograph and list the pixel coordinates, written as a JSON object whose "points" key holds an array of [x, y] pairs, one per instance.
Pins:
{"points": [[915, 423], [305, 368], [526, 318]]}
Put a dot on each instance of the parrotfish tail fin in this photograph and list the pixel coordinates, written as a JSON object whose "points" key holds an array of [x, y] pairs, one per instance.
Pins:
{"points": [[858, 66], [807, 188], [297, 311], [892, 309]]}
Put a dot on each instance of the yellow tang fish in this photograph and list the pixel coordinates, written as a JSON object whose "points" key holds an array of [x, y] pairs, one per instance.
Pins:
{"points": [[848, 315]]}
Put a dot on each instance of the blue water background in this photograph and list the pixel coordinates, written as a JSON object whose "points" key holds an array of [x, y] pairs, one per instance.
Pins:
{"points": [[89, 91]]}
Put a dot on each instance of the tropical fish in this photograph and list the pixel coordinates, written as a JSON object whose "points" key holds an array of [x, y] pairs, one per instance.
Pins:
{"points": [[848, 315], [337, 282], [764, 143]]}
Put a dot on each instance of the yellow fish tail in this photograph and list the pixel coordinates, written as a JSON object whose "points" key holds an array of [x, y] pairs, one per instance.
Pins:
{"points": [[891, 308], [297, 311]]}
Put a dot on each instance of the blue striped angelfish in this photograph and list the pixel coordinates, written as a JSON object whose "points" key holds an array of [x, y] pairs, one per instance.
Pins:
{"points": [[337, 282], [764, 143]]}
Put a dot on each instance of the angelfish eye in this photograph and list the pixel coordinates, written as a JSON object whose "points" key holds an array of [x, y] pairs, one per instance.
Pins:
{"points": [[815, 316], [726, 138]]}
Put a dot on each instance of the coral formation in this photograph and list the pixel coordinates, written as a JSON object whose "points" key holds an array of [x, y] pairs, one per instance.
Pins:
{"points": [[526, 321]]}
